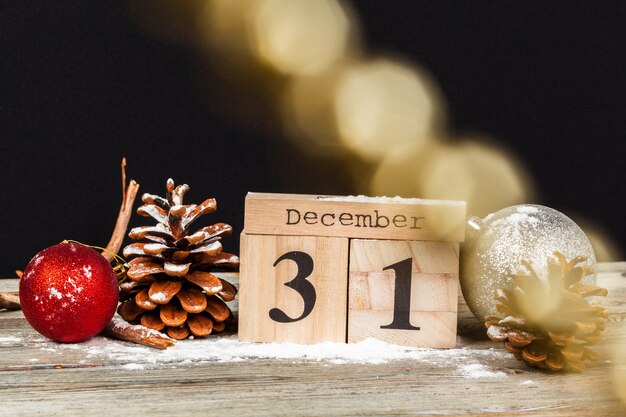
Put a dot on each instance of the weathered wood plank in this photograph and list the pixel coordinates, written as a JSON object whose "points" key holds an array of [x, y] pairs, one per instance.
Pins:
{"points": [[285, 388], [90, 384]]}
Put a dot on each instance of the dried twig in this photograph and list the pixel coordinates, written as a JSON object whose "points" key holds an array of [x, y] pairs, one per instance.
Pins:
{"points": [[129, 193]]}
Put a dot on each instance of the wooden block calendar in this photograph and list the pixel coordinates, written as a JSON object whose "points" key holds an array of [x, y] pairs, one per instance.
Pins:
{"points": [[404, 292], [290, 295], [343, 269]]}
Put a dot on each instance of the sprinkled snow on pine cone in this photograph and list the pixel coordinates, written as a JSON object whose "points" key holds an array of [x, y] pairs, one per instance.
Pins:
{"points": [[169, 284]]}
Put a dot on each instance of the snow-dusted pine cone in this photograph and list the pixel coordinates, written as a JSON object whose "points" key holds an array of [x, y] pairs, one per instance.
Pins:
{"points": [[169, 285]]}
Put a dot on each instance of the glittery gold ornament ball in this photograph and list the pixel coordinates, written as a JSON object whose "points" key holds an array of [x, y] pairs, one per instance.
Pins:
{"points": [[496, 245]]}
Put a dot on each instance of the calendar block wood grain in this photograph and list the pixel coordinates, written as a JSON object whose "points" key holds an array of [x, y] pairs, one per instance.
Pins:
{"points": [[403, 292], [354, 217], [293, 289]]}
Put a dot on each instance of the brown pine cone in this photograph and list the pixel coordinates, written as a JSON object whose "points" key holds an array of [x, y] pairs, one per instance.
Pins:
{"points": [[169, 285]]}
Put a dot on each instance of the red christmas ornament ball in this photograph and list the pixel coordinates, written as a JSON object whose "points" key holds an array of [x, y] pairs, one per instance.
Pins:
{"points": [[69, 292]]}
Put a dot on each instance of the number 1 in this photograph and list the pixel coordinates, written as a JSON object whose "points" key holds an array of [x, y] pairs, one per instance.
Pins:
{"points": [[402, 296]]}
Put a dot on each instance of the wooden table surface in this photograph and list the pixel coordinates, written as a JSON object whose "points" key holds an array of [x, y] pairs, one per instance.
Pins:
{"points": [[36, 380]]}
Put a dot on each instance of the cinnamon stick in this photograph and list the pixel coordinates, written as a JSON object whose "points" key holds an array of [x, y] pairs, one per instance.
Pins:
{"points": [[129, 193], [9, 301], [122, 330]]}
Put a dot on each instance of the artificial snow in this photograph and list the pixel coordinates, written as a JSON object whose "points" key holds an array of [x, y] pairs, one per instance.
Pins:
{"points": [[527, 209], [477, 370], [55, 293], [87, 270], [158, 296], [133, 366], [227, 349], [528, 382], [72, 282], [121, 325], [37, 260], [176, 268], [10, 339], [153, 247]]}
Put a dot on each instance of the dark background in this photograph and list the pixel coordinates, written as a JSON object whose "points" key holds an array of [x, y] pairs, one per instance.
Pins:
{"points": [[81, 85]]}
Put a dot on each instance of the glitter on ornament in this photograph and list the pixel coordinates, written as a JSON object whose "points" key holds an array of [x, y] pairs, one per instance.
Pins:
{"points": [[496, 245], [69, 292]]}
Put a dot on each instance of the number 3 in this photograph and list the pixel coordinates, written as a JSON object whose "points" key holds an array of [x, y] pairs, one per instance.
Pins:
{"points": [[304, 262]]}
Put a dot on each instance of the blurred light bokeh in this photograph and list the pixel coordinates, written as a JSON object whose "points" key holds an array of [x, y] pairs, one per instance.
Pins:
{"points": [[308, 113], [299, 68], [224, 31], [381, 104], [604, 245], [300, 37], [477, 171]]}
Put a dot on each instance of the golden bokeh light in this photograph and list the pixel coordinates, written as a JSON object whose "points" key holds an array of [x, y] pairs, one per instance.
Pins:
{"points": [[382, 104], [308, 116], [300, 37], [223, 28], [604, 245], [487, 177], [400, 172], [299, 61]]}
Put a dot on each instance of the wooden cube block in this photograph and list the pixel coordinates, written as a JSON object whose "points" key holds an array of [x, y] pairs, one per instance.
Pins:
{"points": [[293, 289], [403, 292]]}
